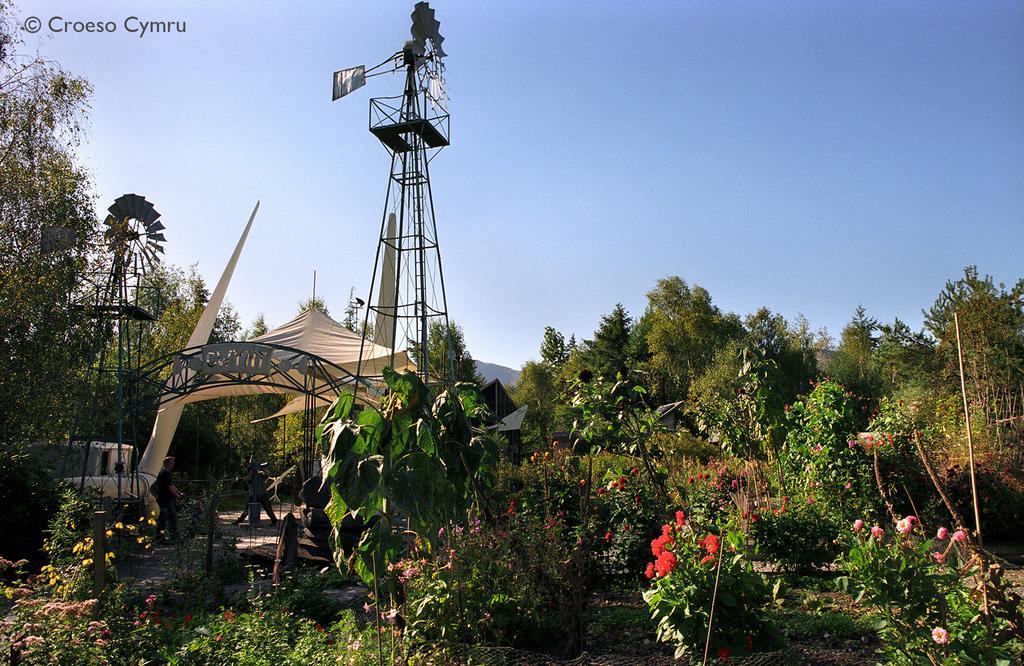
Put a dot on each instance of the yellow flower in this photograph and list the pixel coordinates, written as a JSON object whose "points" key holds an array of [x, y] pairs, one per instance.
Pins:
{"points": [[87, 562], [119, 525], [110, 533]]}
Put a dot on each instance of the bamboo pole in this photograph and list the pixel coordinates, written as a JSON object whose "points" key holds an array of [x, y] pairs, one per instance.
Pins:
{"points": [[980, 554], [970, 438]]}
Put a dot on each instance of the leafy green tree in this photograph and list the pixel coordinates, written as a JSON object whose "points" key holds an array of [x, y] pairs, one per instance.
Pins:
{"points": [[552, 348], [686, 331], [314, 303], [447, 349], [45, 342], [537, 389], [991, 330], [609, 351], [852, 364]]}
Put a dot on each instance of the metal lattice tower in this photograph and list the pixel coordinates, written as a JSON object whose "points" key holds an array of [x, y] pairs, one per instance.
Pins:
{"points": [[407, 292], [113, 298]]}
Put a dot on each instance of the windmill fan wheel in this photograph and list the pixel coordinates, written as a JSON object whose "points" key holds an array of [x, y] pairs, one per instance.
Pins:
{"points": [[134, 231]]}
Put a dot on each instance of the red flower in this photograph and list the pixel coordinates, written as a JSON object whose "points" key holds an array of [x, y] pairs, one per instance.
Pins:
{"points": [[691, 479], [318, 627], [710, 543], [750, 643], [634, 471], [665, 563], [658, 546], [608, 535], [724, 653], [680, 518], [649, 572], [188, 618], [706, 559], [511, 508], [602, 490]]}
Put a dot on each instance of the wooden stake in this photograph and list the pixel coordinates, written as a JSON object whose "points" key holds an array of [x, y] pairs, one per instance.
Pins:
{"points": [[980, 554], [970, 439]]}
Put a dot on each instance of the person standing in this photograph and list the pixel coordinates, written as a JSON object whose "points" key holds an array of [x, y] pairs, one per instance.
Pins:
{"points": [[166, 497], [258, 496]]}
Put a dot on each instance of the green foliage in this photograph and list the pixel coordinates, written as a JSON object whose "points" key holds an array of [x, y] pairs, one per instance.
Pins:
{"points": [[536, 390], [851, 364], [797, 538], [45, 341], [685, 330], [486, 584], [628, 517], [27, 491], [415, 457], [447, 351], [683, 585], [608, 354], [920, 596], [553, 351], [822, 458]]}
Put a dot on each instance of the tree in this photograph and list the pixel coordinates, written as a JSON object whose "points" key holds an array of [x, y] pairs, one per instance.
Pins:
{"points": [[852, 364], [553, 351], [351, 320], [45, 342], [442, 358], [537, 390], [991, 331], [686, 330], [314, 303], [609, 351]]}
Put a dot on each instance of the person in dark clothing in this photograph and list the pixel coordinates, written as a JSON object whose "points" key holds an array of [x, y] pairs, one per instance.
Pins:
{"points": [[257, 478], [166, 497]]}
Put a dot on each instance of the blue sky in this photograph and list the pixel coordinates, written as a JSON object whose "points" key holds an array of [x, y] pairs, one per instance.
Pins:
{"points": [[808, 156]]}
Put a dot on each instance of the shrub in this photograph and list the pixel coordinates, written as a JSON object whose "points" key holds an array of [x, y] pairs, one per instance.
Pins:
{"points": [[797, 538], [822, 457], [927, 614], [683, 581], [486, 584], [27, 493], [627, 518]]}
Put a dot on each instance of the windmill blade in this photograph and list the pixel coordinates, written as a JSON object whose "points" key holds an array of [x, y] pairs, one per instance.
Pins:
{"points": [[157, 237], [155, 226], [156, 247]]}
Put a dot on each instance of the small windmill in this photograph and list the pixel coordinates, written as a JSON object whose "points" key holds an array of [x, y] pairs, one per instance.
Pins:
{"points": [[407, 291], [113, 297]]}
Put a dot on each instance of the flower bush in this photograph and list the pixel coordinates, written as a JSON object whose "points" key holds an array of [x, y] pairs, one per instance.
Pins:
{"points": [[490, 584], [824, 460], [627, 518], [797, 538], [682, 585], [916, 583]]}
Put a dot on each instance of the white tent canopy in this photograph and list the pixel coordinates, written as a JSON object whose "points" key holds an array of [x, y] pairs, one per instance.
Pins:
{"points": [[312, 333]]}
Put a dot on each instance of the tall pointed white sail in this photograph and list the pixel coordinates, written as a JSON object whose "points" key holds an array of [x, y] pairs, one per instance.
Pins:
{"points": [[167, 418], [384, 325]]}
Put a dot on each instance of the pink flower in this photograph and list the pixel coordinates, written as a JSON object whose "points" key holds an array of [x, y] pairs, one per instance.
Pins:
{"points": [[939, 557], [850, 443], [877, 532], [818, 448], [940, 635], [960, 536], [848, 485], [942, 534], [858, 525], [904, 526]]}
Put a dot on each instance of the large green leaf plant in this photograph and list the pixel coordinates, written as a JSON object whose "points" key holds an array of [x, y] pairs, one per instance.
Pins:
{"points": [[415, 457]]}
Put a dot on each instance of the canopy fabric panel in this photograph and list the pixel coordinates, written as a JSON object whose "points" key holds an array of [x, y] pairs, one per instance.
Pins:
{"points": [[316, 334]]}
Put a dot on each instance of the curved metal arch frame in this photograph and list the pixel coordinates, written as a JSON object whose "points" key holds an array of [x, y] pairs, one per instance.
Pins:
{"points": [[214, 365]]}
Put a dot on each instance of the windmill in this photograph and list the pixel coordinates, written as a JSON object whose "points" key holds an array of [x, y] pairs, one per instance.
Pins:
{"points": [[407, 292], [113, 297]]}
